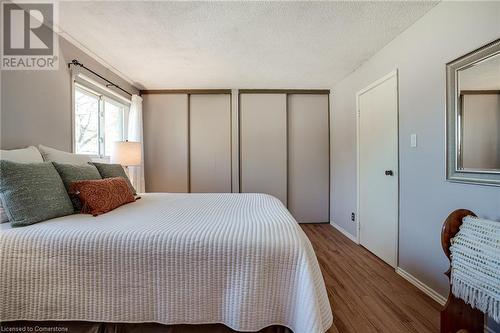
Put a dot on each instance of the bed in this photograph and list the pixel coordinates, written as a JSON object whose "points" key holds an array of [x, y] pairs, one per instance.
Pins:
{"points": [[235, 259]]}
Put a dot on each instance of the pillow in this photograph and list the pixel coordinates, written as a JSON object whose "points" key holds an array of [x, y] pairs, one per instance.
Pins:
{"points": [[3, 215], [59, 156], [113, 170], [101, 196], [24, 155], [32, 192], [71, 172]]}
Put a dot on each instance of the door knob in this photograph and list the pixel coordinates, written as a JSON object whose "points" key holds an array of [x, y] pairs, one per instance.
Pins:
{"points": [[389, 173]]}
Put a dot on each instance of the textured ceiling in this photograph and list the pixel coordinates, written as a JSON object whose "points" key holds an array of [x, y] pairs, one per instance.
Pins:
{"points": [[236, 44]]}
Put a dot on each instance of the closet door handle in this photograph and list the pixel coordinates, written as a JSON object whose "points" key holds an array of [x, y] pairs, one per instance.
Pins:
{"points": [[389, 173]]}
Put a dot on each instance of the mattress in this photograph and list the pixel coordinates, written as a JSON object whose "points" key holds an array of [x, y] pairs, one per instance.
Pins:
{"points": [[235, 259]]}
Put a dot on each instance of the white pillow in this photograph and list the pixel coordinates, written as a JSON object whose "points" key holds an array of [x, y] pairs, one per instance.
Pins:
{"points": [[59, 156], [24, 155]]}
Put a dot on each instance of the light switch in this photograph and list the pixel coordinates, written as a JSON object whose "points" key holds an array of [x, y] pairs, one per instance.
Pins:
{"points": [[413, 141]]}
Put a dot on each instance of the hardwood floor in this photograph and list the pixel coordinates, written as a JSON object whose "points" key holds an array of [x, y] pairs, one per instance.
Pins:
{"points": [[365, 293]]}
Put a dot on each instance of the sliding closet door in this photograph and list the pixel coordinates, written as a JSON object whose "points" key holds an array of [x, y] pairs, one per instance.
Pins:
{"points": [[263, 139], [308, 157], [210, 142], [166, 142]]}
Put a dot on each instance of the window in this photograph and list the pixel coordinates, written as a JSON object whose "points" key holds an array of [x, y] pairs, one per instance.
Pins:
{"points": [[99, 120]]}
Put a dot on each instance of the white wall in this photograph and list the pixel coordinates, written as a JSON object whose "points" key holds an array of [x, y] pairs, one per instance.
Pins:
{"points": [[448, 31]]}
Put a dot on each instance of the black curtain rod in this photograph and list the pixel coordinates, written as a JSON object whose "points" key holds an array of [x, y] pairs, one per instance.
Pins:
{"points": [[75, 62]]}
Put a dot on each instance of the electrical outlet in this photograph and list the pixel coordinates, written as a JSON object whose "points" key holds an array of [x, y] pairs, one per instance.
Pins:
{"points": [[353, 217]]}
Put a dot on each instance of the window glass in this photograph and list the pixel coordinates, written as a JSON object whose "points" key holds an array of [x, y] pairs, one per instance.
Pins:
{"points": [[113, 125], [86, 123], [99, 121]]}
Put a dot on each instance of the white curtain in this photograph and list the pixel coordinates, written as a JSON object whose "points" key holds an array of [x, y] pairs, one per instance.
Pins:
{"points": [[136, 173]]}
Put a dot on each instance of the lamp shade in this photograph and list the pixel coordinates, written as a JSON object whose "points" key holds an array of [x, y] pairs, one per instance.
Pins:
{"points": [[126, 153]]}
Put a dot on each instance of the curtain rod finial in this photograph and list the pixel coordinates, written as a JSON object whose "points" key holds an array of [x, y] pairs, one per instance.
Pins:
{"points": [[76, 63]]}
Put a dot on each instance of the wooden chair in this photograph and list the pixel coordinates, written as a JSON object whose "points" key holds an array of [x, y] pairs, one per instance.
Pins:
{"points": [[457, 315]]}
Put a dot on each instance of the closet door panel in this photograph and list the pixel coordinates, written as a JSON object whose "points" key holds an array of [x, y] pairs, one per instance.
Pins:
{"points": [[308, 154], [263, 142], [166, 142], [210, 142]]}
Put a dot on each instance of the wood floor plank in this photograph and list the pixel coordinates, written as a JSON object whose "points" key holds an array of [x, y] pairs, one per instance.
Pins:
{"points": [[365, 293]]}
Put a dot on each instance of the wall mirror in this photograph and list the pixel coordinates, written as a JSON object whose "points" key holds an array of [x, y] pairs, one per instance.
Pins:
{"points": [[473, 116]]}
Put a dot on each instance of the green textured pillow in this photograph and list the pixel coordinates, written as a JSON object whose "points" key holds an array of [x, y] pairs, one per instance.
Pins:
{"points": [[32, 192], [113, 170], [73, 172]]}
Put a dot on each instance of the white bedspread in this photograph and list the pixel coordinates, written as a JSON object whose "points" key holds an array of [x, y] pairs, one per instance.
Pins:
{"points": [[237, 259]]}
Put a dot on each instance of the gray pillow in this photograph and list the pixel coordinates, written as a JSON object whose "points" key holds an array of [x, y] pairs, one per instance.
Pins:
{"points": [[24, 155], [3, 215], [71, 172], [32, 192], [113, 170]]}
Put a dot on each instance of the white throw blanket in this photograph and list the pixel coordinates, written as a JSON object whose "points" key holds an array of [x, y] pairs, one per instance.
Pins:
{"points": [[237, 259], [475, 265]]}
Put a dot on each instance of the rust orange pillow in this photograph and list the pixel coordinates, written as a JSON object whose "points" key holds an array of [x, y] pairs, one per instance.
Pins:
{"points": [[102, 195]]}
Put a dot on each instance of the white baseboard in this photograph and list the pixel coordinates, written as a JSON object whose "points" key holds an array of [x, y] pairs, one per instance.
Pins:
{"points": [[422, 286], [432, 293], [344, 232]]}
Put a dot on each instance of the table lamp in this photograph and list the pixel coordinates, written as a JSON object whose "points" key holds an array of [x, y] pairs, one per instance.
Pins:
{"points": [[126, 153]]}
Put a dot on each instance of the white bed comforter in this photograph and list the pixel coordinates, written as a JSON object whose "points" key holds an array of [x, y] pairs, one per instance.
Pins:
{"points": [[237, 259]]}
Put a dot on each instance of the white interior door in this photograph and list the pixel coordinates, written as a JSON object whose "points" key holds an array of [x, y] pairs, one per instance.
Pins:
{"points": [[378, 174]]}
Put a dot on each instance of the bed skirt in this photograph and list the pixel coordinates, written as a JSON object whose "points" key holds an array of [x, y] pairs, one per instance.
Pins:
{"points": [[89, 327]]}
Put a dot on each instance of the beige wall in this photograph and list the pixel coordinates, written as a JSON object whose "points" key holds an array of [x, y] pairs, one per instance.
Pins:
{"points": [[36, 105]]}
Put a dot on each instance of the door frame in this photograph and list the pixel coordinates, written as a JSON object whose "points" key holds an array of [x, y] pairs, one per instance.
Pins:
{"points": [[386, 77]]}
